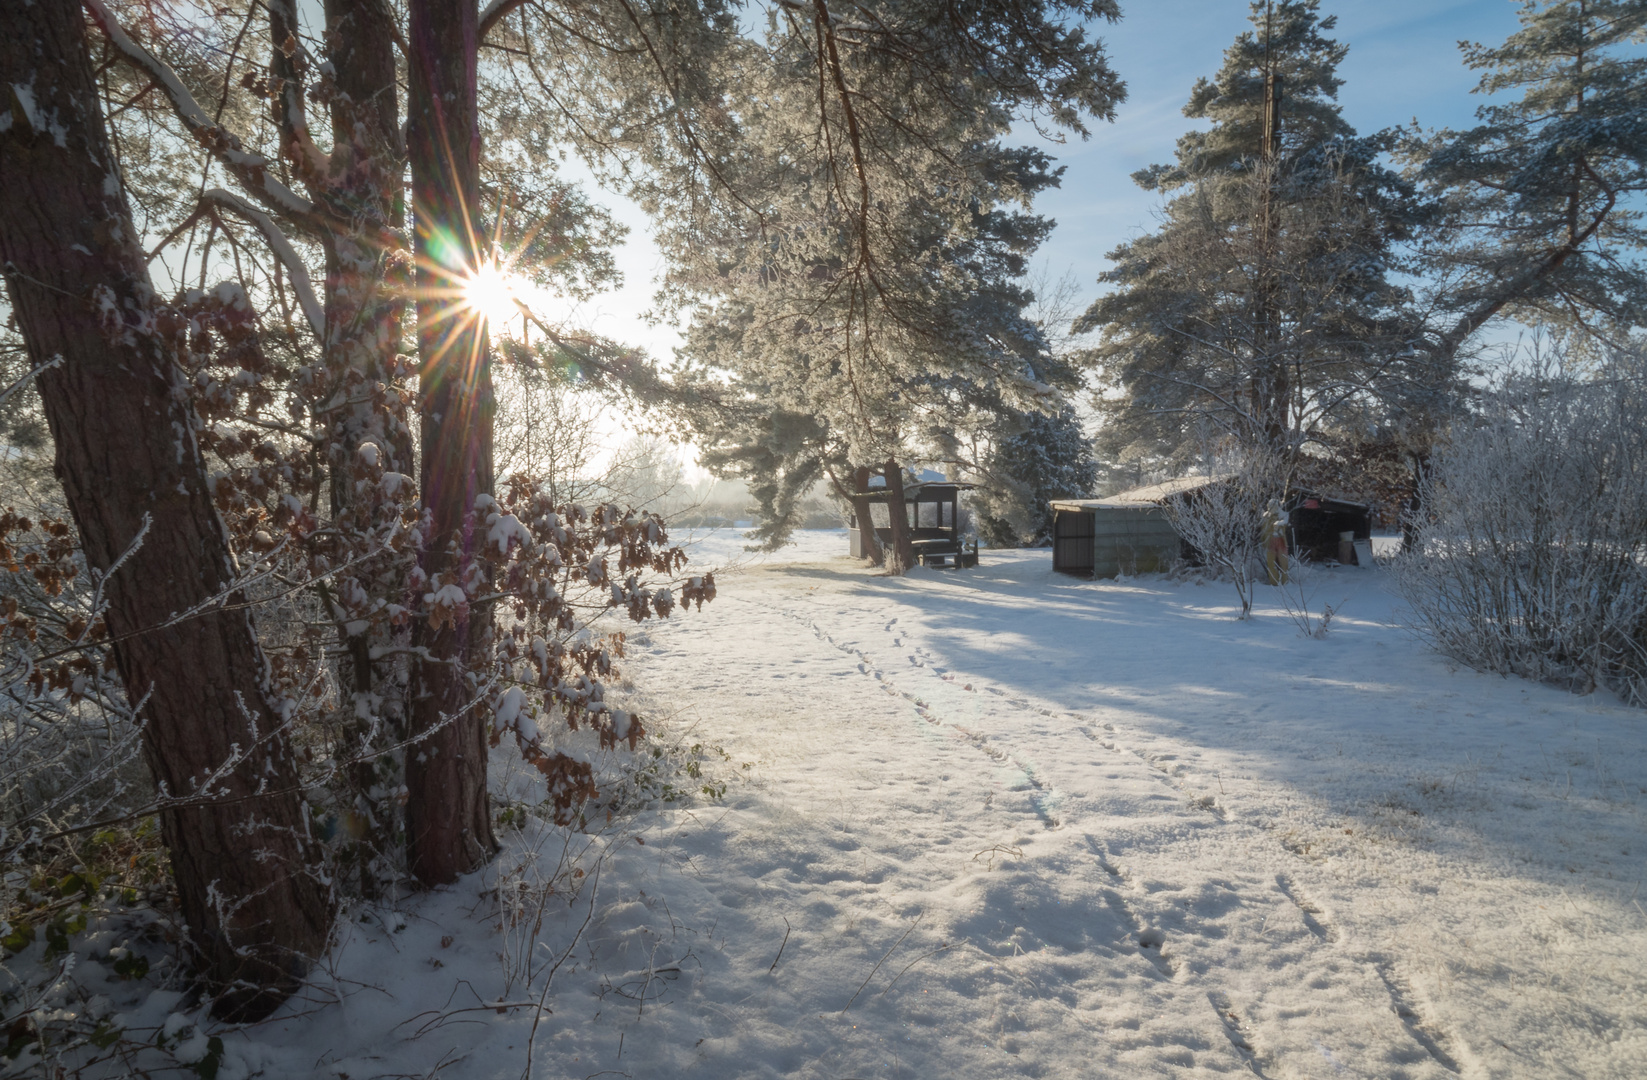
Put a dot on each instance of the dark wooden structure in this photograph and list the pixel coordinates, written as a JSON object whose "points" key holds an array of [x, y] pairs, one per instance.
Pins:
{"points": [[933, 510], [1129, 533], [1316, 526]]}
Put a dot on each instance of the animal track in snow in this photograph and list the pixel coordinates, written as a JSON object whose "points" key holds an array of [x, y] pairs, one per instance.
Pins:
{"points": [[1235, 1029], [1150, 940], [1043, 797]]}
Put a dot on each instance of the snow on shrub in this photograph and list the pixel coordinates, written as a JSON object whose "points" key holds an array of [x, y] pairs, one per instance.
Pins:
{"points": [[1531, 552], [1223, 520]]}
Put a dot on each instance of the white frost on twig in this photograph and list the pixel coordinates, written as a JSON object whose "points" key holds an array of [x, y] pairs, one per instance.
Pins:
{"points": [[254, 170]]}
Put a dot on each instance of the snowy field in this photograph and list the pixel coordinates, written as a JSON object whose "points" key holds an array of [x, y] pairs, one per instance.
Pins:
{"points": [[1003, 822]]}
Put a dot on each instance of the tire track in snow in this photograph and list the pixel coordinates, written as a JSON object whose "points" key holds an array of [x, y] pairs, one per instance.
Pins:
{"points": [[1199, 802], [1403, 999], [1150, 941]]}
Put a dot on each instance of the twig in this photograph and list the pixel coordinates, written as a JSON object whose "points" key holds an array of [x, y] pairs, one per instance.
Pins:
{"points": [[917, 960], [23, 379], [882, 960], [994, 851], [775, 959], [549, 979]]}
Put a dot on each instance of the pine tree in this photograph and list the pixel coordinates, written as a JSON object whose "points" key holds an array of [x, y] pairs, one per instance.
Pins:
{"points": [[292, 392], [1539, 218], [952, 398], [1262, 309], [1287, 43], [1033, 458], [217, 739], [859, 284]]}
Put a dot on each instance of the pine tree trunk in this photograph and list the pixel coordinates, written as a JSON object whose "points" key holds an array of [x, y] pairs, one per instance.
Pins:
{"points": [[448, 816], [124, 433], [868, 542], [901, 556], [364, 306]]}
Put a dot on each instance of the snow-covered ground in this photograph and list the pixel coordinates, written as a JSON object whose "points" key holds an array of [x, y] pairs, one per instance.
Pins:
{"points": [[1003, 822]]}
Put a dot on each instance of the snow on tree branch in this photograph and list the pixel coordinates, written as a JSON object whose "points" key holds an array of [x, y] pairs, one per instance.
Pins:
{"points": [[251, 169], [283, 250], [492, 14]]}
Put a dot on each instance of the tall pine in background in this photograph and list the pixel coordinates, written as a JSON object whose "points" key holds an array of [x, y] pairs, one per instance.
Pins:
{"points": [[1540, 217], [1261, 310]]}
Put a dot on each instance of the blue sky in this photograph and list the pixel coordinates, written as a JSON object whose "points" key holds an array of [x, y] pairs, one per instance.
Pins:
{"points": [[1403, 64]]}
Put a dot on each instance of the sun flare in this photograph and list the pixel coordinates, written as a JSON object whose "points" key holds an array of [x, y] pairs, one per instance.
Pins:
{"points": [[491, 293]]}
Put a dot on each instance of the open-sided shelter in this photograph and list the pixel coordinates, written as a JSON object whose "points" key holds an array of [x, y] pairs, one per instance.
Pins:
{"points": [[933, 510], [1317, 527]]}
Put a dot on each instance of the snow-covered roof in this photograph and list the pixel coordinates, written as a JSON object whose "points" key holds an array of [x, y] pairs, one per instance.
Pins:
{"points": [[920, 489], [1138, 498]]}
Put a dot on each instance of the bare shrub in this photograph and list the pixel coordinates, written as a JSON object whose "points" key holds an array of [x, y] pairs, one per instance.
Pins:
{"points": [[1222, 520], [1532, 558], [1296, 592]]}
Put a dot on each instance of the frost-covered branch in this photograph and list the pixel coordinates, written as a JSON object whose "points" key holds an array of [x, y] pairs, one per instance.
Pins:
{"points": [[252, 169], [25, 378], [283, 250], [492, 14]]}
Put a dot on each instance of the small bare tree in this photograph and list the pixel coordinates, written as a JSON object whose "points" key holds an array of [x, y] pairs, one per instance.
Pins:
{"points": [[1222, 520]]}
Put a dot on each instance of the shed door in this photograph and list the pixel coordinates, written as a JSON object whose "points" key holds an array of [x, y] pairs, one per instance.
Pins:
{"points": [[1072, 537]]}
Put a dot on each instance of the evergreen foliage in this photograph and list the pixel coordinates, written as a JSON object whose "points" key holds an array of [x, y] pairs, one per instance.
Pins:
{"points": [[831, 333], [1033, 458], [1540, 218], [1288, 39], [1263, 308]]}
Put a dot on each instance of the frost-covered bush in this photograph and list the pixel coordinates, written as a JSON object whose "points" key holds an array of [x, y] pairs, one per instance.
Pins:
{"points": [[1223, 520], [1532, 553]]}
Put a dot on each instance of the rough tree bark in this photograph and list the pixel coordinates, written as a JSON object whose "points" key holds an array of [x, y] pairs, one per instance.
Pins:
{"points": [[449, 821], [364, 304], [869, 543], [901, 555], [124, 434]]}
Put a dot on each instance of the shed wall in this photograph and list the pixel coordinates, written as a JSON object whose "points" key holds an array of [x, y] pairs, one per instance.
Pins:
{"points": [[1108, 541]]}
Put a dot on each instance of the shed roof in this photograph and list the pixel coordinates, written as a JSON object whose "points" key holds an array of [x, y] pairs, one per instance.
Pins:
{"points": [[1140, 498]]}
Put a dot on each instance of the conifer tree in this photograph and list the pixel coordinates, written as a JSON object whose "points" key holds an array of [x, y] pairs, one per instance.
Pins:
{"points": [[856, 281], [217, 737], [989, 367], [1033, 458], [1262, 308], [1540, 218]]}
